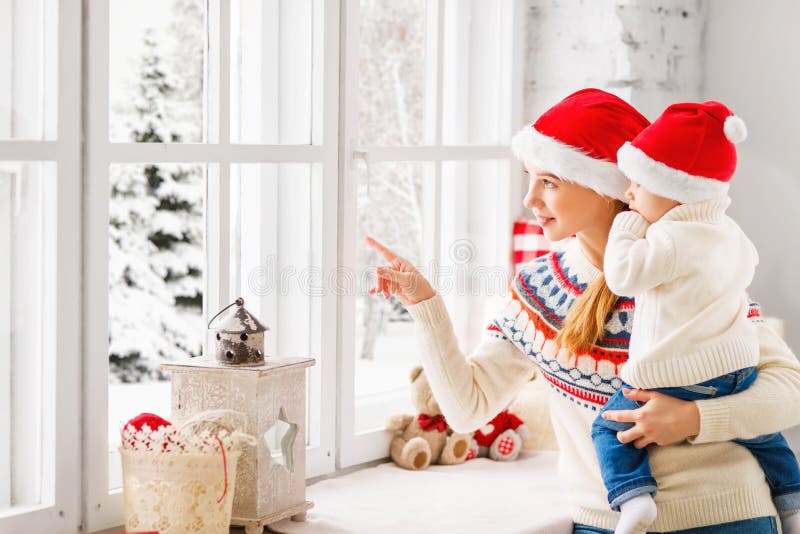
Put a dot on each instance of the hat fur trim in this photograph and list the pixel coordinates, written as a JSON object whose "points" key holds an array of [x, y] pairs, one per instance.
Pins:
{"points": [[569, 163], [665, 181]]}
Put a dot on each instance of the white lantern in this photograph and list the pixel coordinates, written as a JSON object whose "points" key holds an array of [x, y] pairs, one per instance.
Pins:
{"points": [[270, 478]]}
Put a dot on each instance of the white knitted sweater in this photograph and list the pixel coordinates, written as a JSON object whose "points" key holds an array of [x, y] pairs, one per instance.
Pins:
{"points": [[689, 272]]}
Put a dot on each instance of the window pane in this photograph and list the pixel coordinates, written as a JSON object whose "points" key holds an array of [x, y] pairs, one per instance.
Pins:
{"points": [[391, 73], [28, 68], [473, 74], [27, 345], [155, 273], [156, 81], [271, 71], [384, 340], [476, 243], [276, 247], [276, 233]]}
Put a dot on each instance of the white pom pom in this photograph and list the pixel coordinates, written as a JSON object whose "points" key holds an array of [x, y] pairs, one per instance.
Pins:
{"points": [[735, 129]]}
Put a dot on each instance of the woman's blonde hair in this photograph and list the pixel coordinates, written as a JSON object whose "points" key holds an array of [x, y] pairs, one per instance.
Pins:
{"points": [[586, 319]]}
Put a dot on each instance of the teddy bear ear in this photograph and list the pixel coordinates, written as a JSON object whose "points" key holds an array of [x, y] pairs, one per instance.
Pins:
{"points": [[415, 372]]}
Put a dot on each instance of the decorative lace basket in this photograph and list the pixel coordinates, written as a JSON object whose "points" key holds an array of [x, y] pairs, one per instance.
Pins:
{"points": [[179, 481]]}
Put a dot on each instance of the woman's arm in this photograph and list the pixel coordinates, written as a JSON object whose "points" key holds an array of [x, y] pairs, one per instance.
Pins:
{"points": [[470, 391], [760, 409], [765, 407]]}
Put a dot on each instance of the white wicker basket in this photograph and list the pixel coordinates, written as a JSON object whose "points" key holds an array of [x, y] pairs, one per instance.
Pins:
{"points": [[179, 483]]}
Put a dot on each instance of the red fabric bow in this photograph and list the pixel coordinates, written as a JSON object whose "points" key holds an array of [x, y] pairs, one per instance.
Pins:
{"points": [[426, 422]]}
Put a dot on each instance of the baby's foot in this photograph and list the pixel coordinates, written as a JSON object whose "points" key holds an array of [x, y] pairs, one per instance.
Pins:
{"points": [[790, 522], [636, 515]]}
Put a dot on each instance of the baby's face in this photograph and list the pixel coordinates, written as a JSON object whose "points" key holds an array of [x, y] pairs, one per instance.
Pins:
{"points": [[649, 205]]}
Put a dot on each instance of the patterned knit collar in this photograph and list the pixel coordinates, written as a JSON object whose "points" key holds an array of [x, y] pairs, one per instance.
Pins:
{"points": [[576, 261]]}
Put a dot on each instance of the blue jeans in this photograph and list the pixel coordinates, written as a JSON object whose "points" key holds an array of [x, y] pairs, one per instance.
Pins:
{"points": [[626, 469], [759, 525]]}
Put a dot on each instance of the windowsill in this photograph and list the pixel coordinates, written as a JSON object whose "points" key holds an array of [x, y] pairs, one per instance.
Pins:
{"points": [[391, 499]]}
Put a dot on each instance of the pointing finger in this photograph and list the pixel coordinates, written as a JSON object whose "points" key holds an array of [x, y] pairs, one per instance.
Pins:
{"points": [[387, 254]]}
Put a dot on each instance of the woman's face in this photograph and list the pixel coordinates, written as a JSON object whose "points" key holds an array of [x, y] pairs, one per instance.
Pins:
{"points": [[563, 208]]}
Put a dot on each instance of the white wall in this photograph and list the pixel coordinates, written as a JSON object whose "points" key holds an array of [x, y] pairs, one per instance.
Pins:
{"points": [[644, 51], [751, 65]]}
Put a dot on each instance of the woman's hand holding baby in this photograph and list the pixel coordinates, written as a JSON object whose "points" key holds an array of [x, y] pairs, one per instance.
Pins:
{"points": [[663, 420]]}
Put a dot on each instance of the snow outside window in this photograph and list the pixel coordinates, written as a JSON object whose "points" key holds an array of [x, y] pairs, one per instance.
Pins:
{"points": [[156, 67], [429, 108]]}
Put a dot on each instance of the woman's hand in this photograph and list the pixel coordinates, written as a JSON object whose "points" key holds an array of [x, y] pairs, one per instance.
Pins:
{"points": [[663, 420], [399, 278]]}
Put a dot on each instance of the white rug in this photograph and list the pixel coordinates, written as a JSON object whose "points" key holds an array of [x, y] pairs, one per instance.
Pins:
{"points": [[479, 496]]}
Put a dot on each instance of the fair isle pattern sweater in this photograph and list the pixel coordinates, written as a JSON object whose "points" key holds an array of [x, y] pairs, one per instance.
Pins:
{"points": [[705, 482], [541, 296]]}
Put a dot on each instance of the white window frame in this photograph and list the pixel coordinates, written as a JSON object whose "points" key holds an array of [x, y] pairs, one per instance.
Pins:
{"points": [[5, 343], [103, 508], [85, 368], [61, 430], [358, 448]]}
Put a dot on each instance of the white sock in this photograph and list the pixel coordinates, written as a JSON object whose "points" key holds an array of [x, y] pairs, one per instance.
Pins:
{"points": [[636, 515], [790, 522]]}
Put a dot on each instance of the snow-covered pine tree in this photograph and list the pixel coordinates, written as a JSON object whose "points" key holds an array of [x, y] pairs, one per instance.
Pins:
{"points": [[179, 221], [155, 273]]}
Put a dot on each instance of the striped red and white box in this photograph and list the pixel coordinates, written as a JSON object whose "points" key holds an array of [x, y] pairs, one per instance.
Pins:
{"points": [[529, 241]]}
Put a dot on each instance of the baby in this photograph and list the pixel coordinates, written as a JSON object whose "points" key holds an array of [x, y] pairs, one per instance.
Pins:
{"points": [[688, 265]]}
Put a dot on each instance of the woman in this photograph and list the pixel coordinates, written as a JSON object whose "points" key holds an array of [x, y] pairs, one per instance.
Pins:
{"points": [[562, 317]]}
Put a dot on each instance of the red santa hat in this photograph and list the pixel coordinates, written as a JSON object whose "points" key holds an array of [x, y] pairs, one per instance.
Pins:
{"points": [[687, 154], [578, 138]]}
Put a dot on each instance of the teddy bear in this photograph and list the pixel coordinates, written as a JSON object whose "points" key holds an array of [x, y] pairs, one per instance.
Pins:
{"points": [[425, 438], [500, 439]]}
